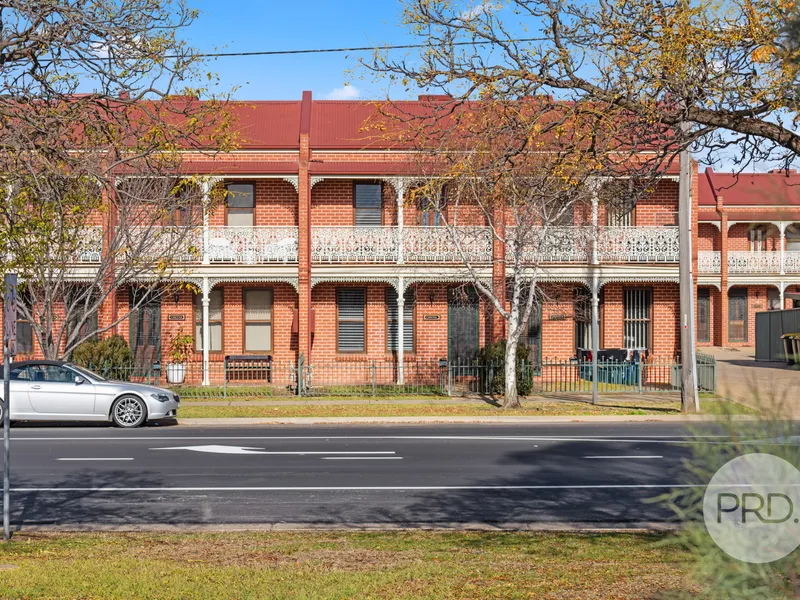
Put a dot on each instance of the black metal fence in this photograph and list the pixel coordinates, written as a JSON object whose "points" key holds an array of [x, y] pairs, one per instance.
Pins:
{"points": [[382, 378]]}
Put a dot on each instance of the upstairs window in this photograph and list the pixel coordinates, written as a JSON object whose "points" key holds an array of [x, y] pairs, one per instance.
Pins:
{"points": [[241, 198], [368, 205], [350, 322], [757, 240], [408, 320], [621, 217], [24, 335]]}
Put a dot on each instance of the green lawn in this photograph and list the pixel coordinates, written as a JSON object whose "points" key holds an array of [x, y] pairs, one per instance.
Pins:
{"points": [[342, 565], [537, 408]]}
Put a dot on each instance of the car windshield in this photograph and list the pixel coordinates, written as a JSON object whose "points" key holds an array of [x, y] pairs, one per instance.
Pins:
{"points": [[88, 373]]}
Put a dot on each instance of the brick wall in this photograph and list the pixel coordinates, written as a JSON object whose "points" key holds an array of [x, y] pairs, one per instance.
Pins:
{"points": [[708, 238]]}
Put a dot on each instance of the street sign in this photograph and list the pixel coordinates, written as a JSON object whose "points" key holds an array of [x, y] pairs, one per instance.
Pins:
{"points": [[10, 314]]}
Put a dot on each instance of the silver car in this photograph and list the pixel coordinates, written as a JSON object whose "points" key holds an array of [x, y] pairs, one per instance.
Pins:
{"points": [[47, 390]]}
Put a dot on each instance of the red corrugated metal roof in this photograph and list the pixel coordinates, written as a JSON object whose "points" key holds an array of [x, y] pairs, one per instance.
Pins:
{"points": [[230, 165], [749, 189], [266, 124], [364, 168]]}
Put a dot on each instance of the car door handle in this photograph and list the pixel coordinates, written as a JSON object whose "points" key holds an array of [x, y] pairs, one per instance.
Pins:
{"points": [[36, 387]]}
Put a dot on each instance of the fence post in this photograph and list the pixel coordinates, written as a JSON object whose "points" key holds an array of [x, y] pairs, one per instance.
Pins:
{"points": [[373, 378], [225, 378], [641, 372], [449, 379], [300, 365]]}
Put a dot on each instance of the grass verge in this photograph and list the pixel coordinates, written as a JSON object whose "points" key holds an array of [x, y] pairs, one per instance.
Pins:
{"points": [[531, 408], [343, 565]]}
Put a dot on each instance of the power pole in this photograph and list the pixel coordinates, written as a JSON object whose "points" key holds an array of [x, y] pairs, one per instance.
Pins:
{"points": [[689, 399], [9, 350]]}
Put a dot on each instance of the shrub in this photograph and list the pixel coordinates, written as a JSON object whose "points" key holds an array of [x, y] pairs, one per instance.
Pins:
{"points": [[495, 355], [111, 357]]}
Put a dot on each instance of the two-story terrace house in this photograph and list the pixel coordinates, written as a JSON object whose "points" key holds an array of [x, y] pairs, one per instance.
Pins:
{"points": [[748, 243], [318, 252]]}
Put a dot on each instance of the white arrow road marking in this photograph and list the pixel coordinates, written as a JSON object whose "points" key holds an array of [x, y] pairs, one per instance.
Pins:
{"points": [[362, 458], [612, 457], [105, 459], [216, 449]]}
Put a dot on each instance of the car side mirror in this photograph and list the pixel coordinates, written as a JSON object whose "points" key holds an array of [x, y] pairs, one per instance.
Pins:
{"points": [[79, 380]]}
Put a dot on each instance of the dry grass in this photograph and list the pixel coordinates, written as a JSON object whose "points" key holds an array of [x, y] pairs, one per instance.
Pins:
{"points": [[539, 408], [343, 565]]}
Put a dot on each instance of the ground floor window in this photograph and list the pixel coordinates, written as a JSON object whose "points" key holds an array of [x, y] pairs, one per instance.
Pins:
{"points": [[257, 320], [583, 319], [737, 315], [214, 321], [637, 308], [773, 299], [391, 320], [703, 315], [533, 333], [24, 335], [350, 322]]}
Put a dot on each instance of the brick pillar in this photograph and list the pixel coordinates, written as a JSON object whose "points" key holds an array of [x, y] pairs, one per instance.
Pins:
{"points": [[723, 270], [499, 272], [304, 232]]}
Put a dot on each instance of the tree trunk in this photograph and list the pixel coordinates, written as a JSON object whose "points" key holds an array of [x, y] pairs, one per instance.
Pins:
{"points": [[511, 396]]}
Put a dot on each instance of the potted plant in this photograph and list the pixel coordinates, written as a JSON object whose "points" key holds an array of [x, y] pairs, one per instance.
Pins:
{"points": [[180, 349]]}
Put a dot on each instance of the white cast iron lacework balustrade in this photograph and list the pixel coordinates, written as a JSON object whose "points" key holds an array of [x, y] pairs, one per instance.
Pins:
{"points": [[754, 262], [553, 244], [436, 244], [638, 244], [709, 262], [251, 245], [167, 244], [791, 261], [90, 245], [354, 244]]}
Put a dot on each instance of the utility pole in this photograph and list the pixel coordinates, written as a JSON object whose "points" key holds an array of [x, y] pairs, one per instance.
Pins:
{"points": [[9, 350], [689, 399]]}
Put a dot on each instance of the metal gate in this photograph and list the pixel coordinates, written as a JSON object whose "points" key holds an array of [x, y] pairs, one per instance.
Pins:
{"points": [[770, 326]]}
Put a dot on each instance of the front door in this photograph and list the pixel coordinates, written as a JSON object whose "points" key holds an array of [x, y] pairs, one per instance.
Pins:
{"points": [[52, 391], [737, 316], [145, 322], [462, 326], [703, 315]]}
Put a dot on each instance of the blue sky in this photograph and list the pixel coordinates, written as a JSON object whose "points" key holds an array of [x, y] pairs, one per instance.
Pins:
{"points": [[251, 25]]}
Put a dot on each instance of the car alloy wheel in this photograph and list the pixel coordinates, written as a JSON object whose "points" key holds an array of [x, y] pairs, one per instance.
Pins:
{"points": [[128, 411]]}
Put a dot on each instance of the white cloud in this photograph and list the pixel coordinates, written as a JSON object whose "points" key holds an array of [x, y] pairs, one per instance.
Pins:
{"points": [[99, 49], [476, 11], [346, 92]]}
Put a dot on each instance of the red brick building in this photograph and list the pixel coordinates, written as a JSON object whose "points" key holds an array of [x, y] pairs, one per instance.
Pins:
{"points": [[318, 243]]}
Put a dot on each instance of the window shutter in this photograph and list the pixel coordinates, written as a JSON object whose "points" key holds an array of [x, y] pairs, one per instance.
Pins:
{"points": [[369, 204], [350, 306]]}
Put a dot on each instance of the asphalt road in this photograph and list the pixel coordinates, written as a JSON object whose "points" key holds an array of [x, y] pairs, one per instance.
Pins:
{"points": [[347, 475]]}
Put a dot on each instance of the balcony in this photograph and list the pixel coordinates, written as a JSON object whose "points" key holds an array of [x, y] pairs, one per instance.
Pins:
{"points": [[252, 245], [753, 263]]}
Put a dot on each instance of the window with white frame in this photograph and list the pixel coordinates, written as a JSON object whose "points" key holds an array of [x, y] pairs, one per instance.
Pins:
{"points": [[756, 240], [368, 205], [214, 321], [637, 308], [257, 320], [241, 199]]}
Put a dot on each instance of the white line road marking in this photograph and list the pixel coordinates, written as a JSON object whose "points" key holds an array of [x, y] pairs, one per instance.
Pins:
{"points": [[614, 457], [362, 458], [410, 488], [632, 439], [215, 449], [100, 459], [407, 488]]}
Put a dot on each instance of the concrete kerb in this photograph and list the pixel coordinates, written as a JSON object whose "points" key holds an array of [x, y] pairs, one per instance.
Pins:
{"points": [[510, 420]]}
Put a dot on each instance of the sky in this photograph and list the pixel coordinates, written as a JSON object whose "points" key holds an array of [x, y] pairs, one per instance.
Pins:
{"points": [[253, 25]]}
